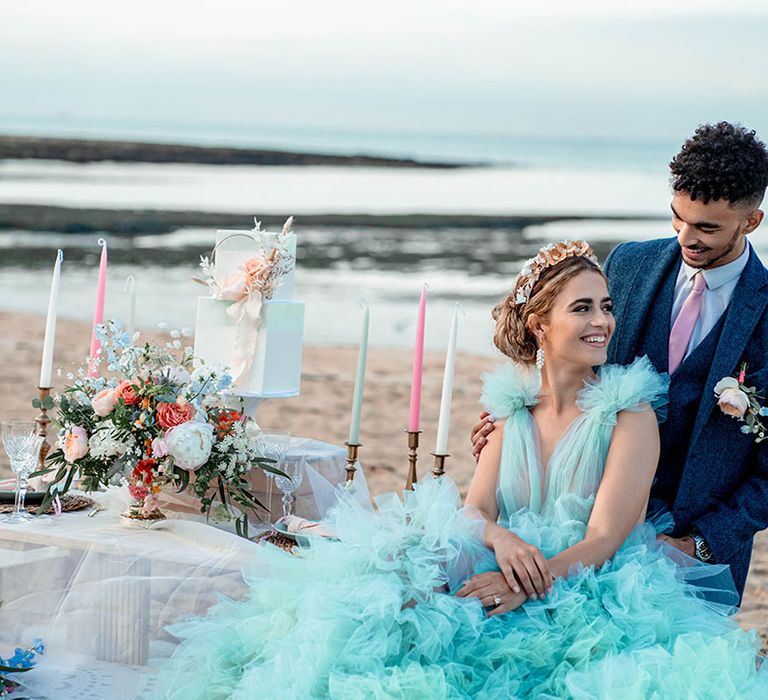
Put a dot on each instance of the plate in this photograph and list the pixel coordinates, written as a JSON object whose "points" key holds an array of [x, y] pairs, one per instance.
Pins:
{"points": [[34, 498], [301, 539]]}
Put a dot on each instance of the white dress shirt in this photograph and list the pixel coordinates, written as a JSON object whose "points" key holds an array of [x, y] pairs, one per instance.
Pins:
{"points": [[721, 281]]}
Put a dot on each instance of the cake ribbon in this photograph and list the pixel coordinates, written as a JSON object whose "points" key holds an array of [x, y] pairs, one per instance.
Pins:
{"points": [[246, 314]]}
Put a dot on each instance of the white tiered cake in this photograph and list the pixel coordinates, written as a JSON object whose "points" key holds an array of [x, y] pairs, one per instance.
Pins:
{"points": [[273, 342]]}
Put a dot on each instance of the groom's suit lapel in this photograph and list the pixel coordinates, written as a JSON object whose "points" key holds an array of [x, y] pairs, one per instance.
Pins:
{"points": [[744, 311], [637, 301]]}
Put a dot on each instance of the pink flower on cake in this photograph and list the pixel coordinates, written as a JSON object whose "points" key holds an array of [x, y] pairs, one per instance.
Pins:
{"points": [[169, 415], [730, 398], [257, 270], [75, 443], [234, 287], [104, 402]]}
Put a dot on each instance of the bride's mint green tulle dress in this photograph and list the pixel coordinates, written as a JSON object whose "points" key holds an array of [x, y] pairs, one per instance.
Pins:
{"points": [[339, 620]]}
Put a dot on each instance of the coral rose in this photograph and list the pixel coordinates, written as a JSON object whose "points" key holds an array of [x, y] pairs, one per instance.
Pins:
{"points": [[75, 443], [127, 392], [104, 402], [169, 415]]}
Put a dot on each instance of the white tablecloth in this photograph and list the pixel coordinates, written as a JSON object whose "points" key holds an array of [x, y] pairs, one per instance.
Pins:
{"points": [[100, 591]]}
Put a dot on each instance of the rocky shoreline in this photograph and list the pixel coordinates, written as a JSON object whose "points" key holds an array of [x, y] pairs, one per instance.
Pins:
{"points": [[29, 217], [94, 151]]}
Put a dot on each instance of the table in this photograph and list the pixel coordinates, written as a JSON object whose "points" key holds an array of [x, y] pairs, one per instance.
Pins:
{"points": [[100, 591]]}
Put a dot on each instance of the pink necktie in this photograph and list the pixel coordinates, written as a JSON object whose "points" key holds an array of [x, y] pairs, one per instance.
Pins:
{"points": [[680, 337]]}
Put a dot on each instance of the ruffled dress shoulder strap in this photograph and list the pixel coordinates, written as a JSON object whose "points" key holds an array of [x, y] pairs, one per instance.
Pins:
{"points": [[625, 388], [510, 388]]}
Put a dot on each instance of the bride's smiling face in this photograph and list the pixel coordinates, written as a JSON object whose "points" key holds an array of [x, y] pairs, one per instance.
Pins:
{"points": [[580, 324]]}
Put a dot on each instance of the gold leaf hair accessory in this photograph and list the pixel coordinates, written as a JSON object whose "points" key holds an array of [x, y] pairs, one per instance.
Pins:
{"points": [[549, 256]]}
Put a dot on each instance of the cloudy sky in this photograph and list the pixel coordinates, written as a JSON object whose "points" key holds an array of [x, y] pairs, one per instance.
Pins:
{"points": [[491, 66]]}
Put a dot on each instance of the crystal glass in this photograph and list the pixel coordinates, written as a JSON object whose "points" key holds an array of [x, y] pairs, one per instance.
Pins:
{"points": [[290, 483], [22, 444], [274, 445]]}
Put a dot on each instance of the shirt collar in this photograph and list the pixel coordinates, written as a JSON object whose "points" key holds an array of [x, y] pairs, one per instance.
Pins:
{"points": [[718, 276]]}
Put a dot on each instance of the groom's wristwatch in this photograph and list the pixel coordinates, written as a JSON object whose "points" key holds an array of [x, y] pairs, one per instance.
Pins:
{"points": [[703, 552]]}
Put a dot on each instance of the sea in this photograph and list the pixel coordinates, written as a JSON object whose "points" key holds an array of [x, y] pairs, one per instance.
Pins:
{"points": [[603, 190]]}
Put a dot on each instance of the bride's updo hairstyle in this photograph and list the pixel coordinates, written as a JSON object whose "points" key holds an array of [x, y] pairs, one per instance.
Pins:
{"points": [[536, 289]]}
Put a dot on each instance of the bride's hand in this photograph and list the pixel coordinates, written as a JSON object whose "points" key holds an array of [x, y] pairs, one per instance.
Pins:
{"points": [[520, 561], [493, 591]]}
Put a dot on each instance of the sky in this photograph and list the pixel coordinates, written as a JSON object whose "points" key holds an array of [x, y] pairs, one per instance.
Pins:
{"points": [[591, 69]]}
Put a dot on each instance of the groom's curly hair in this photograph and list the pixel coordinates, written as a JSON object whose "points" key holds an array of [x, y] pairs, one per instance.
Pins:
{"points": [[722, 161]]}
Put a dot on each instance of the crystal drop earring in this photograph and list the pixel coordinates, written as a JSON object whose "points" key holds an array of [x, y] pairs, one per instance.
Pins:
{"points": [[540, 358]]}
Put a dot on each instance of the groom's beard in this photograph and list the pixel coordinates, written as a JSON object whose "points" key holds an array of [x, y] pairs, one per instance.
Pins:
{"points": [[720, 255]]}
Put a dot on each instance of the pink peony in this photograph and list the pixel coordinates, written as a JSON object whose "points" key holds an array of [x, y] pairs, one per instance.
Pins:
{"points": [[75, 443], [104, 402], [733, 402], [151, 503], [159, 448]]}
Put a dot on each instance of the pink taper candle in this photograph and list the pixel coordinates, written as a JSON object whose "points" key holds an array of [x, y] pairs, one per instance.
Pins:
{"points": [[98, 313], [418, 365]]}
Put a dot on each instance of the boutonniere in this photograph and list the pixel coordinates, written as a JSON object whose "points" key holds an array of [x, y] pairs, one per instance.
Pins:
{"points": [[740, 401]]}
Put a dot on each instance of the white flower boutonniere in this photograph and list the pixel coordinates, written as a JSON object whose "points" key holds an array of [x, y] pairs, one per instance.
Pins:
{"points": [[739, 401]]}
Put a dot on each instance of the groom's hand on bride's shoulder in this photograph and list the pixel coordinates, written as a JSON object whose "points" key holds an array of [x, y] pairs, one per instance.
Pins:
{"points": [[480, 432]]}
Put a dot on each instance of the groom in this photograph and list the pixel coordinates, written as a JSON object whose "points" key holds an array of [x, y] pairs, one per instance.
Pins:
{"points": [[697, 306]]}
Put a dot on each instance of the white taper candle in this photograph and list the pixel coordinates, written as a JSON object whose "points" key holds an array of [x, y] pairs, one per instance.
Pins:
{"points": [[46, 366], [444, 421]]}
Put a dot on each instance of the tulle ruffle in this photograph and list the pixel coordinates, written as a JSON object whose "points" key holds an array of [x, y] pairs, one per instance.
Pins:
{"points": [[625, 388], [369, 616]]}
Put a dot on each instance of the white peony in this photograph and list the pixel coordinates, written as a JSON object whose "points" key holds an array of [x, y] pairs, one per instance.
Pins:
{"points": [[190, 444]]}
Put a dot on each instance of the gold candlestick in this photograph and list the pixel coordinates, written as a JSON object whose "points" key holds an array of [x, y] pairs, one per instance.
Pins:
{"points": [[352, 450], [42, 421], [413, 454], [439, 469]]}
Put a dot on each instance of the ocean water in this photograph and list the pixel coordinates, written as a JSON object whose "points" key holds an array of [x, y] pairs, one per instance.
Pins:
{"points": [[337, 266]]}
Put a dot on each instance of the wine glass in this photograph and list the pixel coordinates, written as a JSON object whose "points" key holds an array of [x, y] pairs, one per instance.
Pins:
{"points": [[273, 445], [22, 444], [288, 484]]}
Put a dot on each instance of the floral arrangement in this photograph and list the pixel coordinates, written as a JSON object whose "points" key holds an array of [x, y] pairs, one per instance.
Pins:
{"points": [[740, 401], [156, 422], [259, 275], [22, 660]]}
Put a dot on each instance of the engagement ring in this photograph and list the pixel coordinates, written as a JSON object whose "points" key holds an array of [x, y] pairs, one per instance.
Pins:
{"points": [[496, 600]]}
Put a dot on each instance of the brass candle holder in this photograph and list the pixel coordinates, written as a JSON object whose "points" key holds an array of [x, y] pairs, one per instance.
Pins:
{"points": [[439, 469], [42, 421], [352, 450], [413, 454]]}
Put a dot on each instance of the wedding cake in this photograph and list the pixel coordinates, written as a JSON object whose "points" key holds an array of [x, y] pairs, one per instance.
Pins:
{"points": [[250, 323]]}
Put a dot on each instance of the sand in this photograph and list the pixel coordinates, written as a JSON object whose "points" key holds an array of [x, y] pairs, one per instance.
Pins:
{"points": [[322, 412]]}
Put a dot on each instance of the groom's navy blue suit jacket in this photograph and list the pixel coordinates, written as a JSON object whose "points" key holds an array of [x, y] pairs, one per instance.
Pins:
{"points": [[711, 476]]}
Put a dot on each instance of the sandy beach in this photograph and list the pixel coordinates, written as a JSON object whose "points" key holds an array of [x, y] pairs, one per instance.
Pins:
{"points": [[322, 412]]}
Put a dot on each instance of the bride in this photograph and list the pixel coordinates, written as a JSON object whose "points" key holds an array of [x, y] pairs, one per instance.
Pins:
{"points": [[547, 584]]}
